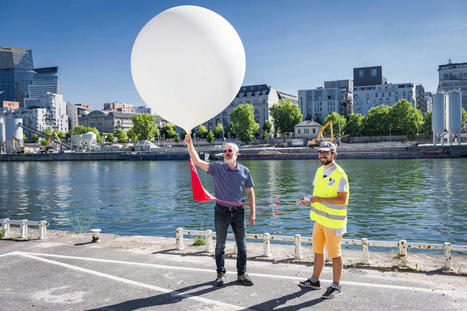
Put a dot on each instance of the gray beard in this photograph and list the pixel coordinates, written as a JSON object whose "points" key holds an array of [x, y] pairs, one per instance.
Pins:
{"points": [[231, 161]]}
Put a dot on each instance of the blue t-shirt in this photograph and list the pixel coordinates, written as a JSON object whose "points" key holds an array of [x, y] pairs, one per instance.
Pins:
{"points": [[230, 184]]}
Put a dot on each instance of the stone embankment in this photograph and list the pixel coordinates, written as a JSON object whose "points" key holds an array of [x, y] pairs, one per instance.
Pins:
{"points": [[384, 260], [346, 151]]}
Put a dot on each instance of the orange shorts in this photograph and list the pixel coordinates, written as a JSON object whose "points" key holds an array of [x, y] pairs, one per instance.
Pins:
{"points": [[322, 237]]}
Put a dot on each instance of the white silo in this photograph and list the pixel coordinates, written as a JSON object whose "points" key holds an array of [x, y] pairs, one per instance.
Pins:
{"points": [[438, 117], [2, 134], [454, 122], [13, 130]]}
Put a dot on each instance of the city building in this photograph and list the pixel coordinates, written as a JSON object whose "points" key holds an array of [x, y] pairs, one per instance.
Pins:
{"points": [[8, 105], [261, 96], [36, 118], [74, 112], [107, 121], [16, 74], [119, 106], [142, 109], [453, 77], [57, 117], [429, 101], [307, 129], [371, 90], [44, 80], [336, 96]]}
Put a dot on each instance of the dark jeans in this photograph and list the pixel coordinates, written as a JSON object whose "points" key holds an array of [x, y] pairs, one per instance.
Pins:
{"points": [[222, 219]]}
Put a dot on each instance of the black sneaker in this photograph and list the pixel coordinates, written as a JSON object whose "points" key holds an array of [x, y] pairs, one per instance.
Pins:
{"points": [[245, 279], [332, 292], [220, 279], [309, 284]]}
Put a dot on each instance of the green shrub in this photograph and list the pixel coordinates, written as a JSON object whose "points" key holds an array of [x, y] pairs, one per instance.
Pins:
{"points": [[199, 241]]}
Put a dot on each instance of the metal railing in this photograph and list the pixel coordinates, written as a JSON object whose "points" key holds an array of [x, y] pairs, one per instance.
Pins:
{"points": [[298, 239], [24, 227]]}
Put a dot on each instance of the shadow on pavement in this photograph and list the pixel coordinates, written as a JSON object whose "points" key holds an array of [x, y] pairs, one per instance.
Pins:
{"points": [[276, 302], [165, 299]]}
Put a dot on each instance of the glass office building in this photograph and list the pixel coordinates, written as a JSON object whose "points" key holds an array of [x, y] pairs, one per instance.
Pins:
{"points": [[16, 74]]}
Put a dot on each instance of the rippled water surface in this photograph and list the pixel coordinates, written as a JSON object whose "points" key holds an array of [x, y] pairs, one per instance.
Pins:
{"points": [[416, 200]]}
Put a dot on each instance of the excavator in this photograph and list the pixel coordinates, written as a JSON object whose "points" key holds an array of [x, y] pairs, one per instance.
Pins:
{"points": [[316, 142], [47, 148], [21, 148]]}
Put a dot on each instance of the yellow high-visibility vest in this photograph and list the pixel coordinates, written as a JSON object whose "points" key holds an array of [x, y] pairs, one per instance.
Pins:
{"points": [[326, 214]]}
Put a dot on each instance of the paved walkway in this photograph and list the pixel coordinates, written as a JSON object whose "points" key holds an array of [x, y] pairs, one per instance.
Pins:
{"points": [[48, 275]]}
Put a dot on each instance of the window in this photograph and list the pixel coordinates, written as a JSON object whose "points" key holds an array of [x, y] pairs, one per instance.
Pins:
{"points": [[298, 131], [376, 94], [306, 131], [373, 72], [360, 73]]}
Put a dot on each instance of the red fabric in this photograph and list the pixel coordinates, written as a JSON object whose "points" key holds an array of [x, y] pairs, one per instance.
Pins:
{"points": [[199, 193]]}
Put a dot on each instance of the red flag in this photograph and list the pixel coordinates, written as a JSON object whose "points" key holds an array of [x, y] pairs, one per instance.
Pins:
{"points": [[199, 193]]}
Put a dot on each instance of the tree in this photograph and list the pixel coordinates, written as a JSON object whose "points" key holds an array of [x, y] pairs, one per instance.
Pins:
{"points": [[110, 138], [355, 125], [132, 135], [61, 135], [25, 137], [210, 137], [427, 127], [378, 121], [219, 131], [407, 119], [168, 131], [267, 127], [144, 126], [318, 119], [243, 122], [285, 116], [202, 131], [177, 138], [338, 123], [43, 142], [464, 115], [121, 135], [35, 138]]}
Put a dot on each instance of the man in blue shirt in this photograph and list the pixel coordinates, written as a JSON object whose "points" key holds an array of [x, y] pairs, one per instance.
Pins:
{"points": [[230, 180]]}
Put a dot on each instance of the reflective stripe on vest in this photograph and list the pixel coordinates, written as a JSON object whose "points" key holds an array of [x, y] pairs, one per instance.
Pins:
{"points": [[327, 214]]}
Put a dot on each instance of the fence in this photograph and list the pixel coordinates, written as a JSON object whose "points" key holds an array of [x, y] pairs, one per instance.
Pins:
{"points": [[298, 239], [24, 227]]}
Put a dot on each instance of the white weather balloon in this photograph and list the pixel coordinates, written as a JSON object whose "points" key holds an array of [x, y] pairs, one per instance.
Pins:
{"points": [[188, 64]]}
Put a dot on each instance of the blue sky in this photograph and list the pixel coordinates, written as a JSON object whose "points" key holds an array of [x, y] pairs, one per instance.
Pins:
{"points": [[289, 45]]}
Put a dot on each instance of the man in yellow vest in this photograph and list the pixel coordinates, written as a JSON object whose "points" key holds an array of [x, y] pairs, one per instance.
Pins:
{"points": [[329, 211]]}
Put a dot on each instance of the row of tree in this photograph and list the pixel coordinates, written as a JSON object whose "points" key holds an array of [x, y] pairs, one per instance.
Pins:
{"points": [[400, 119]]}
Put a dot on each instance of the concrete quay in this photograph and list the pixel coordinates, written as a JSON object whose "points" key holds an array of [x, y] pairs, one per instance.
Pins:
{"points": [[346, 151], [68, 272]]}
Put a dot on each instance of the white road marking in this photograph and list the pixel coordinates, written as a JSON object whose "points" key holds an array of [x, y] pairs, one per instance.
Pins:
{"points": [[135, 283], [7, 253], [396, 287]]}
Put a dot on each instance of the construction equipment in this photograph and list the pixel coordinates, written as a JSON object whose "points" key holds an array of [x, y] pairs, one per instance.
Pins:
{"points": [[47, 147], [21, 148], [316, 142], [45, 135]]}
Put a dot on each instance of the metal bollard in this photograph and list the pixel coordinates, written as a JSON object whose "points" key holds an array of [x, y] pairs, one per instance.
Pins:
{"points": [[298, 246], [179, 238], [43, 229], [208, 239], [267, 245], [6, 227], [403, 252], [366, 253], [447, 256], [24, 228], [95, 235]]}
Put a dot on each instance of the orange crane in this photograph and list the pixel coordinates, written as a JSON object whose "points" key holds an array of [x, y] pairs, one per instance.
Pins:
{"points": [[46, 148]]}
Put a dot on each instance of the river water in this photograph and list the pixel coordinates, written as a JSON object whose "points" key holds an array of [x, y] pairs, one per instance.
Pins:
{"points": [[417, 200]]}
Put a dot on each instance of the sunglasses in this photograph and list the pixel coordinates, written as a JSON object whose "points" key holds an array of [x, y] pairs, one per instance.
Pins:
{"points": [[324, 152], [228, 150]]}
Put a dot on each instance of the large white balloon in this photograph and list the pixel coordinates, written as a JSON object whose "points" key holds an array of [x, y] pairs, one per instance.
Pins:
{"points": [[188, 64]]}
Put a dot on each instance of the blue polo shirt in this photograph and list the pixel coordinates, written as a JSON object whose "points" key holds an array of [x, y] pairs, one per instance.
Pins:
{"points": [[230, 184]]}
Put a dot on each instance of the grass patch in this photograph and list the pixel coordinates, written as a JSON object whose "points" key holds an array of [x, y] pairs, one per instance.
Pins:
{"points": [[199, 241]]}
